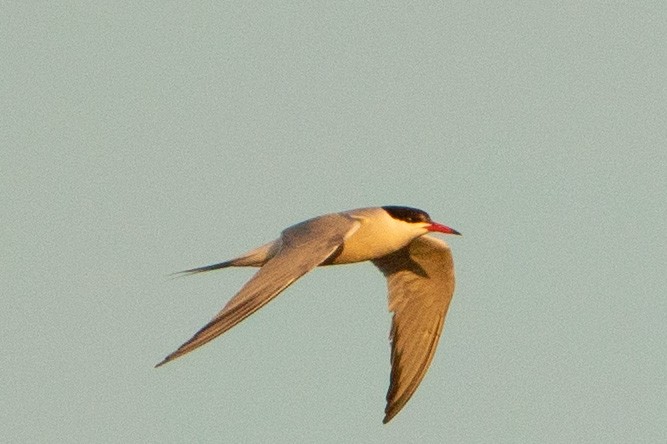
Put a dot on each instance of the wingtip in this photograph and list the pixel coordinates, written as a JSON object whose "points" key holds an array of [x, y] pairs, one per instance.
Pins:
{"points": [[168, 359], [389, 414], [161, 363]]}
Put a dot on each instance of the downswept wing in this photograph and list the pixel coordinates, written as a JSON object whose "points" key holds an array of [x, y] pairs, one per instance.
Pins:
{"points": [[303, 247], [420, 278]]}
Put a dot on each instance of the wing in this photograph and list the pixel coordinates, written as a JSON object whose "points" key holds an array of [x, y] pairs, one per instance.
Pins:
{"points": [[302, 247], [420, 278]]}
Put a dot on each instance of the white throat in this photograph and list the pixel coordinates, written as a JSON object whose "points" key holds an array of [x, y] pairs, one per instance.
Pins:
{"points": [[378, 235]]}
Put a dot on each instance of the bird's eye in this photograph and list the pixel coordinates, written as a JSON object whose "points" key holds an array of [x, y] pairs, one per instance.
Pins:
{"points": [[407, 214]]}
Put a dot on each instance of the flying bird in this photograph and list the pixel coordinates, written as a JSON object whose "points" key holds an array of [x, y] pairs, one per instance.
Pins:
{"points": [[419, 270]]}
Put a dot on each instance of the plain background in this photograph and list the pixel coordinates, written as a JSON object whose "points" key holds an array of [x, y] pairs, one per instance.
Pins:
{"points": [[141, 139]]}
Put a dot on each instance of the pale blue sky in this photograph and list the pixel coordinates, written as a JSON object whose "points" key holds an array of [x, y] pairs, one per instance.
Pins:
{"points": [[139, 140]]}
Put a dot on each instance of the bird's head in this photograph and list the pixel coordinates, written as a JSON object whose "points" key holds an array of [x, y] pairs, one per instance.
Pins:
{"points": [[418, 220]]}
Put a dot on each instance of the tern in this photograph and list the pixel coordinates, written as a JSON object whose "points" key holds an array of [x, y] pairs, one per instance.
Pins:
{"points": [[419, 270]]}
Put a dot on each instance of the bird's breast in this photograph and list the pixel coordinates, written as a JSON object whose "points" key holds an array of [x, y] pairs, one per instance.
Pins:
{"points": [[376, 237]]}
